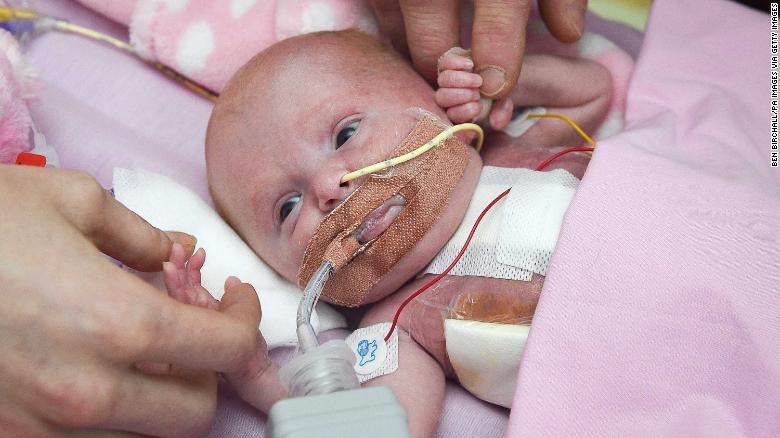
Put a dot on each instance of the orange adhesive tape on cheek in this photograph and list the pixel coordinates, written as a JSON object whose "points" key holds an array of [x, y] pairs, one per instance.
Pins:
{"points": [[426, 183]]}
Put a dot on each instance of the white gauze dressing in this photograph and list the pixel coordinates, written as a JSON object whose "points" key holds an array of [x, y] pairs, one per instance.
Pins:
{"points": [[514, 240], [517, 236]]}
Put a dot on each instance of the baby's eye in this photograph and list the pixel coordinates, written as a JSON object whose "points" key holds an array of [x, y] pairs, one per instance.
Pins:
{"points": [[288, 207], [346, 132]]}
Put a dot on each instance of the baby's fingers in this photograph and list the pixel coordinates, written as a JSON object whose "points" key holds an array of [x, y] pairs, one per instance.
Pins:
{"points": [[456, 58], [449, 97], [178, 255], [459, 79], [175, 282], [194, 265], [455, 62], [465, 112]]}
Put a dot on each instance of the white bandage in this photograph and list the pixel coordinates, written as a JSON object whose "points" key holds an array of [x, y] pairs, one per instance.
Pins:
{"points": [[521, 123], [517, 236], [374, 356], [486, 357]]}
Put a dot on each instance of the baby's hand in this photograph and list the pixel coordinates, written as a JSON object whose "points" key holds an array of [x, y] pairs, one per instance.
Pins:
{"points": [[458, 92], [257, 381], [182, 278]]}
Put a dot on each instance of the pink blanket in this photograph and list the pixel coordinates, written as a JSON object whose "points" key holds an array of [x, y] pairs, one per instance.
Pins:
{"points": [[661, 312]]}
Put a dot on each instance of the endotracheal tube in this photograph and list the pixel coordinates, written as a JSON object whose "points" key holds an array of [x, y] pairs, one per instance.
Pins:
{"points": [[320, 369]]}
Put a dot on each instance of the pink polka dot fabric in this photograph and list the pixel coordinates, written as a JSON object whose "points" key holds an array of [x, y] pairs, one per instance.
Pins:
{"points": [[15, 89], [208, 40]]}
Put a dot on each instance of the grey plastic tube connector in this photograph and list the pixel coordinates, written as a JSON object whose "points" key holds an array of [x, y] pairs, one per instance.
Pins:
{"points": [[327, 399]]}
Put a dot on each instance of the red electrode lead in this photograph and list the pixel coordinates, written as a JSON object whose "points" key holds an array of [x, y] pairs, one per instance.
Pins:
{"points": [[436, 279]]}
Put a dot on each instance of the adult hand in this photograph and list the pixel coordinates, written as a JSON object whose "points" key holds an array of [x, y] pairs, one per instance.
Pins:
{"points": [[430, 27], [73, 325]]}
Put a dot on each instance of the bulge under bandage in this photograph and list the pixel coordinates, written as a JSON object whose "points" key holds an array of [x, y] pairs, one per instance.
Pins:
{"points": [[485, 332]]}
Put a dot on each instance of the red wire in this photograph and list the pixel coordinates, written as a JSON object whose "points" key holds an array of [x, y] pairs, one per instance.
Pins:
{"points": [[552, 157], [436, 279]]}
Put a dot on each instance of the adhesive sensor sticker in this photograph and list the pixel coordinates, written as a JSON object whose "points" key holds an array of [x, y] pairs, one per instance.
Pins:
{"points": [[373, 356]]}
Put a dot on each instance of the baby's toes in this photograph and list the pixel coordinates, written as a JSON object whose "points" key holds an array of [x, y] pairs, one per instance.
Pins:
{"points": [[449, 97], [459, 79], [465, 112]]}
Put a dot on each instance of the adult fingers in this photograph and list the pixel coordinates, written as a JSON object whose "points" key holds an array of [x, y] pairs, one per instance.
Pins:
{"points": [[501, 114], [432, 27], [498, 43], [391, 22], [96, 433], [140, 401], [564, 18], [201, 338], [112, 227], [241, 301]]}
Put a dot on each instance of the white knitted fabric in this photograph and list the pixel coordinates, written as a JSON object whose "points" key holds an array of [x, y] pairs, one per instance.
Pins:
{"points": [[517, 236]]}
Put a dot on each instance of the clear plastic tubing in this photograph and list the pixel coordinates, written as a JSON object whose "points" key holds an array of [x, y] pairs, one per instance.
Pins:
{"points": [[324, 369], [320, 369]]}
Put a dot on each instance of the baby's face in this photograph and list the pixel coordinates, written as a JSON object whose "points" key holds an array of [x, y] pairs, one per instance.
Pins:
{"points": [[275, 165]]}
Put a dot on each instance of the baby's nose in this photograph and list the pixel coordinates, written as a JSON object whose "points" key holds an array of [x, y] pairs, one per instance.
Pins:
{"points": [[331, 193]]}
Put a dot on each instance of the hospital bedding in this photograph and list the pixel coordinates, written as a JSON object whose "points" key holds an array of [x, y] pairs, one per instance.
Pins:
{"points": [[610, 354]]}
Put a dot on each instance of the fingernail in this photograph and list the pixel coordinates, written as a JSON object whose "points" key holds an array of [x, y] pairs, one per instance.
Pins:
{"points": [[186, 240], [577, 11], [466, 63], [493, 80], [232, 282]]}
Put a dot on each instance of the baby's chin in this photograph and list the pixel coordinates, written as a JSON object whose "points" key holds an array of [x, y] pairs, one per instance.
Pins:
{"points": [[434, 240]]}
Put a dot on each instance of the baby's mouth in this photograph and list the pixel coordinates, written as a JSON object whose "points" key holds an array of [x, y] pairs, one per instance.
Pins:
{"points": [[379, 219]]}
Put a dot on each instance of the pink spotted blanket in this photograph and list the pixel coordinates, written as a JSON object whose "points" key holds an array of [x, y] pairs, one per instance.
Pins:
{"points": [[208, 40]]}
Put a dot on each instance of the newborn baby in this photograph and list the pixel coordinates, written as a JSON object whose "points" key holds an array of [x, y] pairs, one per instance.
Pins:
{"points": [[310, 109]]}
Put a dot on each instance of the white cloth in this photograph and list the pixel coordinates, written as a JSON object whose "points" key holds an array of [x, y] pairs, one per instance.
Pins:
{"points": [[514, 240], [170, 206], [517, 236], [486, 357]]}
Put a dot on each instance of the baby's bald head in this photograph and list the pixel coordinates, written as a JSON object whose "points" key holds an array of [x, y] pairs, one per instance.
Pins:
{"points": [[296, 118], [287, 85]]}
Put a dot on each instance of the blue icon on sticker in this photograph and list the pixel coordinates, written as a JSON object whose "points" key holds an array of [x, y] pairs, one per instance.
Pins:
{"points": [[367, 351]]}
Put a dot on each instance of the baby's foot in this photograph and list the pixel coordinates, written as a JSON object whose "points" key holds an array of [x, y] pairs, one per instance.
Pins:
{"points": [[182, 278]]}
